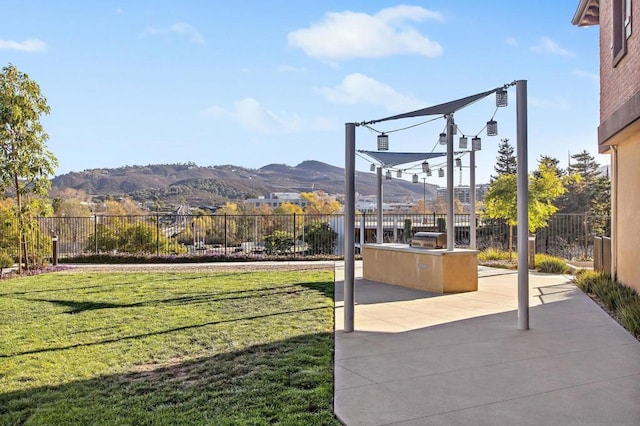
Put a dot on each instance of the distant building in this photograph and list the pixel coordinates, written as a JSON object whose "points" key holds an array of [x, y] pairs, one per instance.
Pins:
{"points": [[463, 193], [276, 199]]}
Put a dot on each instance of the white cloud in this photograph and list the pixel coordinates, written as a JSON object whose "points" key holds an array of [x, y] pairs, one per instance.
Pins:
{"points": [[511, 41], [32, 45], [249, 113], [358, 88], [181, 29], [346, 35], [547, 45], [586, 74]]}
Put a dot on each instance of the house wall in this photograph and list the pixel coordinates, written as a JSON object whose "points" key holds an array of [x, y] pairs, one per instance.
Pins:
{"points": [[618, 84], [627, 180]]}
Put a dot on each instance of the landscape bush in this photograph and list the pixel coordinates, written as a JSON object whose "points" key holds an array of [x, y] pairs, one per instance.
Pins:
{"points": [[622, 301], [551, 264], [278, 242], [320, 238], [493, 253]]}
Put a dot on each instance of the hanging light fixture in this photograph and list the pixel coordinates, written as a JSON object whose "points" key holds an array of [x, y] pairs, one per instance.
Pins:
{"points": [[440, 172], [414, 178], [425, 167], [492, 127], [442, 139], [476, 144], [399, 174], [388, 175], [373, 167], [455, 129], [428, 172], [502, 98], [463, 142], [383, 142], [458, 162]]}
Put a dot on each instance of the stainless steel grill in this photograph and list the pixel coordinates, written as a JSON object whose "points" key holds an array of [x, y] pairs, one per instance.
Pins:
{"points": [[429, 240]]}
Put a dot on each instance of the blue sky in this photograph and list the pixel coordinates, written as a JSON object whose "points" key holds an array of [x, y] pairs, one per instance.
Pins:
{"points": [[250, 83]]}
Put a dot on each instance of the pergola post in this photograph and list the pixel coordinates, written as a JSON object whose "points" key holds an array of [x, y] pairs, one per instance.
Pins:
{"points": [[472, 200], [379, 194], [349, 225], [451, 227], [523, 203]]}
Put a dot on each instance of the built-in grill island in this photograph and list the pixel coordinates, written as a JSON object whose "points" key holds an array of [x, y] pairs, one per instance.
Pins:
{"points": [[429, 240], [426, 264]]}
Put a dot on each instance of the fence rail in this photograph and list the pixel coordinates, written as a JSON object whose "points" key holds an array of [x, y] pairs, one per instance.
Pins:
{"points": [[567, 235]]}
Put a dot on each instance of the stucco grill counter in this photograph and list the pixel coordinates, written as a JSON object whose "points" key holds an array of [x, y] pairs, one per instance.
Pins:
{"points": [[434, 270]]}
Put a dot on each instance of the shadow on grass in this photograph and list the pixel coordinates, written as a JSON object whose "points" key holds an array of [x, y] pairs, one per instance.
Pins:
{"points": [[161, 332], [289, 381]]}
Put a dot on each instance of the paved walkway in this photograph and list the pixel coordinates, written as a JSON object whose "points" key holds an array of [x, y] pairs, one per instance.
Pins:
{"points": [[425, 359]]}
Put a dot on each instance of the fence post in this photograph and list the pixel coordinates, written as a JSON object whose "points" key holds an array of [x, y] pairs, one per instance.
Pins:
{"points": [[294, 235], [157, 233], [225, 234], [95, 233]]}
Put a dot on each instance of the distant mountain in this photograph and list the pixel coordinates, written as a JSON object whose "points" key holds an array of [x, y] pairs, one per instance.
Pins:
{"points": [[174, 184]]}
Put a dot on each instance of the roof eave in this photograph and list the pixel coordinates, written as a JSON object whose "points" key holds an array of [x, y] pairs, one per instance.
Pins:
{"points": [[587, 13]]}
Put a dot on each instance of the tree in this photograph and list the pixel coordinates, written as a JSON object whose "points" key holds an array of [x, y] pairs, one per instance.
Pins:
{"points": [[320, 203], [544, 188], [25, 161], [506, 163], [589, 191]]}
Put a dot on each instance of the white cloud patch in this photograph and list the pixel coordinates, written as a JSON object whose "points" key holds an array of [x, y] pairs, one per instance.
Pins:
{"points": [[346, 35], [358, 88], [181, 29], [586, 74], [31, 45], [250, 114], [546, 45], [511, 41]]}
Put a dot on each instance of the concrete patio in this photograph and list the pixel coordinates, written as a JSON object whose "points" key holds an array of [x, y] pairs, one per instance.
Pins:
{"points": [[420, 358]]}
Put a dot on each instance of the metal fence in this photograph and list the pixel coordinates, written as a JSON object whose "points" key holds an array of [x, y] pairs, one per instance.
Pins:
{"points": [[567, 235]]}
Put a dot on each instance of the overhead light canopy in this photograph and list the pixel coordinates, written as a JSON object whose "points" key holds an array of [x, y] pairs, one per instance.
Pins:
{"points": [[492, 128], [502, 98], [463, 142], [476, 144], [442, 139], [383, 142]]}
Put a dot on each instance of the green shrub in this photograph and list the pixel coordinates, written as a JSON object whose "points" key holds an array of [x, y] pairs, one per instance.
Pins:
{"points": [[278, 242], [622, 301], [551, 264]]}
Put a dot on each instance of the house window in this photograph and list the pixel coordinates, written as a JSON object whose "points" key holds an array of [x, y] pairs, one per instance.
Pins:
{"points": [[621, 29]]}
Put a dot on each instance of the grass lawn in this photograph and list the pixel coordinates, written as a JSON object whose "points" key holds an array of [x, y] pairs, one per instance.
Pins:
{"points": [[167, 348]]}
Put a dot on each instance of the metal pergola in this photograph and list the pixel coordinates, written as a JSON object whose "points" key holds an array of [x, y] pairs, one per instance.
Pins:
{"points": [[447, 110]]}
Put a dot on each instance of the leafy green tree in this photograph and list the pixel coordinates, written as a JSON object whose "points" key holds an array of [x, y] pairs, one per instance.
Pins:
{"points": [[506, 163], [501, 199], [25, 161], [589, 192]]}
